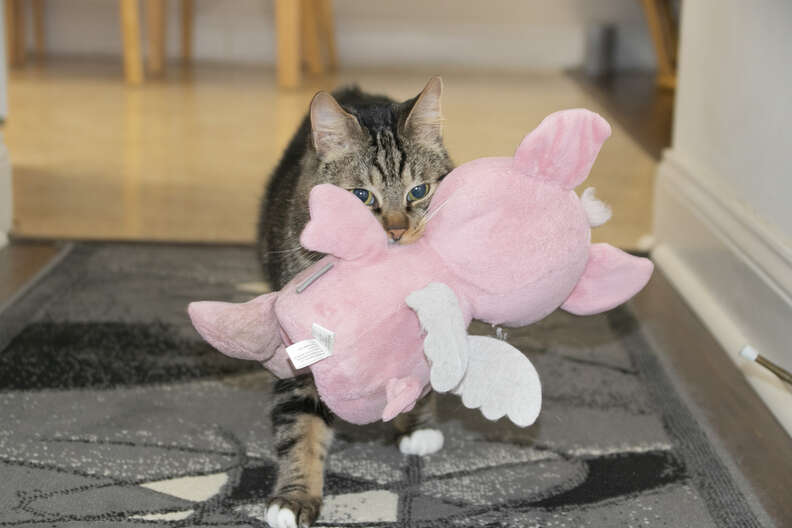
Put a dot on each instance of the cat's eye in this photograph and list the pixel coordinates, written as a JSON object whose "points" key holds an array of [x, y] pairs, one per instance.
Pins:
{"points": [[417, 192], [367, 197]]}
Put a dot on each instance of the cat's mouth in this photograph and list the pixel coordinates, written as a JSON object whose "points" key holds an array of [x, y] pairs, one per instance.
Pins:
{"points": [[411, 235], [405, 236], [400, 228]]}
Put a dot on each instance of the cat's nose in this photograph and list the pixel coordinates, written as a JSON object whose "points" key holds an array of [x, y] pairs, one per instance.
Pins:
{"points": [[396, 233]]}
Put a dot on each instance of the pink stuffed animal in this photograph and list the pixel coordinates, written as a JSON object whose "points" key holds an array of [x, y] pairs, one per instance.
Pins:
{"points": [[507, 241]]}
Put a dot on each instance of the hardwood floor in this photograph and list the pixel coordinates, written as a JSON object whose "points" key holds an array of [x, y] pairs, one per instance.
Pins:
{"points": [[186, 158], [19, 264], [637, 103], [739, 419]]}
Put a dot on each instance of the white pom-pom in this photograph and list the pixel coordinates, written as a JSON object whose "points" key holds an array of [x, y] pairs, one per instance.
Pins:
{"points": [[598, 212]]}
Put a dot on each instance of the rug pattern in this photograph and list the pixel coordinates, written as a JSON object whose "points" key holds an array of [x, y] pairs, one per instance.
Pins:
{"points": [[113, 412]]}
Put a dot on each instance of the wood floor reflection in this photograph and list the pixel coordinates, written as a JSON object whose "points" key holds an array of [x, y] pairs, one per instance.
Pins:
{"points": [[186, 158]]}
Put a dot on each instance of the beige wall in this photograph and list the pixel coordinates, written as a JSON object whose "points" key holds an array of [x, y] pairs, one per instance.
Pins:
{"points": [[534, 34]]}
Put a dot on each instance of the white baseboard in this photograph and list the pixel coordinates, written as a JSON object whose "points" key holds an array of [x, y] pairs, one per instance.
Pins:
{"points": [[734, 270]]}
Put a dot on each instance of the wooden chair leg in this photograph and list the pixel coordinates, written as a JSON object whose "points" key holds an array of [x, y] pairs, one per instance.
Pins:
{"points": [[16, 47], [155, 28], [287, 29], [130, 31], [38, 27], [187, 17], [311, 49], [327, 31], [670, 31], [10, 31], [21, 32], [658, 17]]}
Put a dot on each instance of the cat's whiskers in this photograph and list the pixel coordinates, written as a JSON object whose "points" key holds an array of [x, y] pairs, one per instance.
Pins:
{"points": [[429, 214], [292, 250], [298, 251]]}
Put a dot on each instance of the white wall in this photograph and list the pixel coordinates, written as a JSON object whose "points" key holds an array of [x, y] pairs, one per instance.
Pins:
{"points": [[733, 112], [510, 34], [723, 219]]}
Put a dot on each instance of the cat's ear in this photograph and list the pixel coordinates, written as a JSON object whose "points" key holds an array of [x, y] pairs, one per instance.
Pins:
{"points": [[424, 123], [334, 131], [563, 147]]}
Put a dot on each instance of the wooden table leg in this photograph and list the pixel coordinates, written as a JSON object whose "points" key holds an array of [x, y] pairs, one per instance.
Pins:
{"points": [[187, 17], [130, 31], [658, 17], [287, 29], [10, 31], [311, 50], [155, 28], [38, 27], [21, 33], [15, 33], [327, 31]]}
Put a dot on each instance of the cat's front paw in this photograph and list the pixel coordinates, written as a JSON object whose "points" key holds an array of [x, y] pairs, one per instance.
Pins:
{"points": [[293, 510], [421, 442]]}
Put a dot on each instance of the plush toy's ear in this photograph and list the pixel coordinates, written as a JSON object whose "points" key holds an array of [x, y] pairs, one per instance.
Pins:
{"points": [[341, 225], [240, 330], [563, 147], [611, 278]]}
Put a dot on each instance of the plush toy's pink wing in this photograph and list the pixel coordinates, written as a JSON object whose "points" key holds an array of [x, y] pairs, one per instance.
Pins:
{"points": [[341, 225], [611, 278], [240, 330], [563, 147]]}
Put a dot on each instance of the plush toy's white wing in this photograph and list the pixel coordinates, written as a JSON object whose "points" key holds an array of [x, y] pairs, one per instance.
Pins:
{"points": [[500, 381], [489, 374], [446, 342]]}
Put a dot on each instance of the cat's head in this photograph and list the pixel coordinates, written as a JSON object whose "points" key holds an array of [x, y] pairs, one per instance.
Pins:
{"points": [[390, 155]]}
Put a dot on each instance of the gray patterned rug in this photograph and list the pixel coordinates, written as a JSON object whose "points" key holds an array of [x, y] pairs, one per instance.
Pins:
{"points": [[113, 412]]}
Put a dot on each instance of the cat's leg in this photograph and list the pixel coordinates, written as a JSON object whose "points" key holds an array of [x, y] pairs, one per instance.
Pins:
{"points": [[301, 426], [417, 436]]}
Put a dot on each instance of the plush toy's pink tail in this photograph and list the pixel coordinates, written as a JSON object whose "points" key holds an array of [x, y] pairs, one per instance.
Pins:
{"points": [[401, 393], [244, 330]]}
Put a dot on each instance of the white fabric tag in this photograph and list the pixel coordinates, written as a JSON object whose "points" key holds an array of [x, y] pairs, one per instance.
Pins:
{"points": [[325, 337], [309, 351]]}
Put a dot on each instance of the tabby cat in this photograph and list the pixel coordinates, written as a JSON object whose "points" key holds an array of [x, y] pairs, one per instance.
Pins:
{"points": [[391, 156]]}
